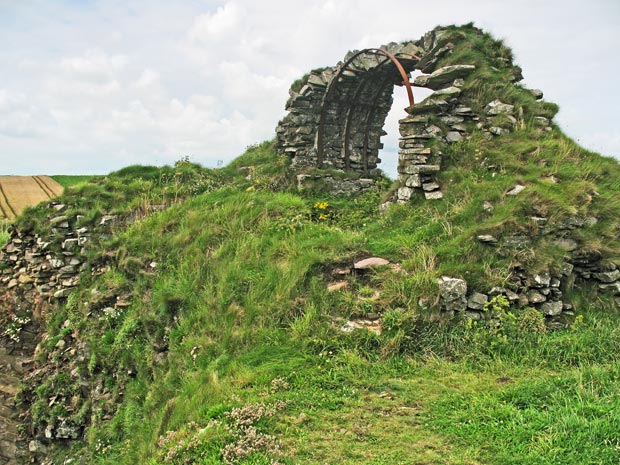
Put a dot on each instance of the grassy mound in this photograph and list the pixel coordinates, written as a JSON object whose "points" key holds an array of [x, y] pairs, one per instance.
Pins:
{"points": [[231, 347], [231, 350]]}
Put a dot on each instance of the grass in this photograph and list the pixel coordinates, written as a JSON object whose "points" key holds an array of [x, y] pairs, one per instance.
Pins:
{"points": [[241, 301], [4, 231], [72, 180], [232, 350]]}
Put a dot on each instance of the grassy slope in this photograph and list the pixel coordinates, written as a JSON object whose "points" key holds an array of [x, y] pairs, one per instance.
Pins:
{"points": [[72, 180], [241, 298], [239, 307]]}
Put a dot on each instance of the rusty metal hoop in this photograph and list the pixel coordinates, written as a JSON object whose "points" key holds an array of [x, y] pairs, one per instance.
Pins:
{"points": [[334, 82]]}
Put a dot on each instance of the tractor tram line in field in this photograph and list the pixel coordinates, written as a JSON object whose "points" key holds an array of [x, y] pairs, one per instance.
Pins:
{"points": [[51, 186], [43, 186], [20, 192], [5, 206]]}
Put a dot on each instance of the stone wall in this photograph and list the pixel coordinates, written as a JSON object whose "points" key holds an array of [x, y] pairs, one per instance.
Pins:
{"points": [[336, 115], [335, 122], [544, 291], [38, 274]]}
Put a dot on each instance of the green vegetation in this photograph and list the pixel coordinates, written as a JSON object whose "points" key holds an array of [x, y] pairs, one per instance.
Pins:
{"points": [[231, 350], [238, 318], [4, 231], [72, 180]]}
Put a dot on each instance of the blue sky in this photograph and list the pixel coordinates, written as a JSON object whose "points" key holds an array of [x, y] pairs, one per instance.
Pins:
{"points": [[92, 86]]}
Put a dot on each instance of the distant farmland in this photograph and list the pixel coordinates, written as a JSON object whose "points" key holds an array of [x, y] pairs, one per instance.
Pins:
{"points": [[19, 192]]}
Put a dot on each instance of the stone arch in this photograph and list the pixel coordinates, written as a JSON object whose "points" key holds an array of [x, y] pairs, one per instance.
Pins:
{"points": [[336, 115], [360, 103]]}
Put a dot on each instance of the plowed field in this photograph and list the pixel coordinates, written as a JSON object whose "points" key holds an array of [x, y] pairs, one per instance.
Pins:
{"points": [[19, 192]]}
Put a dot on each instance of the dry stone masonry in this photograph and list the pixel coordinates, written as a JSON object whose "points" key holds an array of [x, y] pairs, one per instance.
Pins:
{"points": [[334, 126], [544, 291], [336, 116], [37, 273]]}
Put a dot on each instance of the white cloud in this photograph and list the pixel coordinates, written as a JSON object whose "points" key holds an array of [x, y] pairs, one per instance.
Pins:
{"points": [[211, 26], [93, 65], [91, 88], [17, 117], [148, 78]]}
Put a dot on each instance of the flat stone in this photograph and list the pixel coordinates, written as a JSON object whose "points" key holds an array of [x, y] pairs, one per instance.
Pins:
{"points": [[451, 91], [348, 327], [454, 136], [404, 193], [567, 269], [451, 119], [56, 263], [58, 219], [452, 288], [477, 300], [371, 262], [498, 131], [69, 244], [552, 308], [428, 105], [416, 151], [566, 243], [497, 107], [414, 119], [486, 239], [607, 276], [542, 279], [62, 293], [535, 297], [434, 195], [420, 169], [37, 447], [67, 270], [105, 219], [472, 315], [516, 190], [462, 111], [442, 76], [413, 181], [430, 186], [24, 279], [614, 288], [333, 287], [11, 248], [512, 296]]}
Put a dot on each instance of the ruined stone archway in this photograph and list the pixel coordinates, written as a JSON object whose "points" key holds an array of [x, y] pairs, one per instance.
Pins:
{"points": [[337, 114], [362, 101]]}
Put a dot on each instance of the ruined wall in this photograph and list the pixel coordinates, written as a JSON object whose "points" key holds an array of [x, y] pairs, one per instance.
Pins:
{"points": [[336, 115], [37, 274]]}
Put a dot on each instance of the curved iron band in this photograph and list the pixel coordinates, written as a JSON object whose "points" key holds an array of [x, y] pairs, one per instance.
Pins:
{"points": [[334, 82]]}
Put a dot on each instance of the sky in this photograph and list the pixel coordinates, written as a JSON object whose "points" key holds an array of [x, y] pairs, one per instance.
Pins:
{"points": [[88, 87]]}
